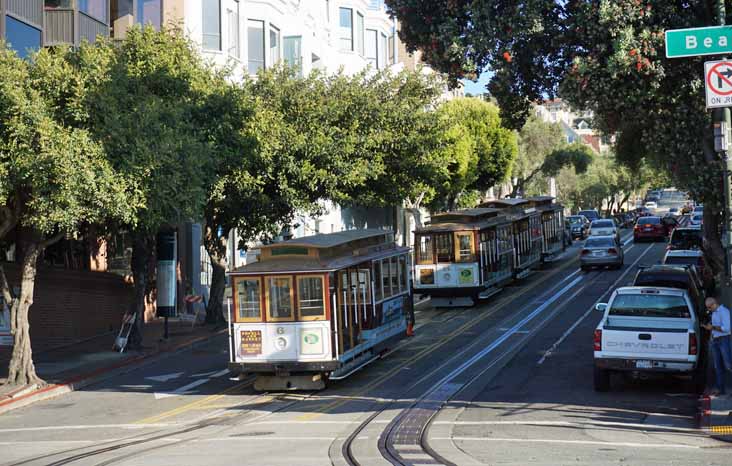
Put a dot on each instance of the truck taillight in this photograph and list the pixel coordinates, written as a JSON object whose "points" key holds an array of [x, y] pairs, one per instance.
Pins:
{"points": [[693, 347], [598, 340]]}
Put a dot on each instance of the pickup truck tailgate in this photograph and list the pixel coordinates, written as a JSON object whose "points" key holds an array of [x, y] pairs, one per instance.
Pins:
{"points": [[666, 340]]}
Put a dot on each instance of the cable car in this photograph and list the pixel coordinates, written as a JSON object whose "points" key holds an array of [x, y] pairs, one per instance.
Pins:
{"points": [[527, 232], [318, 308], [463, 256], [552, 226]]}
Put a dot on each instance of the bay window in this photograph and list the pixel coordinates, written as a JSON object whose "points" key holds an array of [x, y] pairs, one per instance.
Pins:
{"points": [[359, 34], [346, 29], [372, 47], [211, 24], [255, 45], [95, 8], [274, 45], [292, 50]]}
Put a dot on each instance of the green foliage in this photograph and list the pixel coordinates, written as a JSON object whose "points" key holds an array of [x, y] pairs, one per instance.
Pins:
{"points": [[520, 41], [479, 151], [55, 176], [141, 101]]}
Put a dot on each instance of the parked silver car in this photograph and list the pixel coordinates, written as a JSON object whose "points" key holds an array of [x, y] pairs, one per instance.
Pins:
{"points": [[601, 251]]}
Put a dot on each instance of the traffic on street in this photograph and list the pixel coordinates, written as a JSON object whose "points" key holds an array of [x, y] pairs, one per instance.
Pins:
{"points": [[509, 380]]}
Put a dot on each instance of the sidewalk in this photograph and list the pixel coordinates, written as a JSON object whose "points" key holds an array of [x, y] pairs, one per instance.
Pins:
{"points": [[715, 411], [75, 366]]}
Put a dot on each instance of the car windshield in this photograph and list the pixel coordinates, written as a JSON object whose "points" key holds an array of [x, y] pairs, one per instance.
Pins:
{"points": [[575, 219], [686, 239], [649, 220], [600, 243], [684, 260], [697, 217], [666, 280], [603, 224], [589, 214], [649, 305]]}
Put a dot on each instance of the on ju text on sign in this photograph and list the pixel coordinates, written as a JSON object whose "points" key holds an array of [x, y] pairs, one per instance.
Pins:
{"points": [[718, 83]]}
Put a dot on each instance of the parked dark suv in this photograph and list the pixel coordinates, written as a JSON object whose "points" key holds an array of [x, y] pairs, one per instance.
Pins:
{"points": [[686, 238], [674, 276]]}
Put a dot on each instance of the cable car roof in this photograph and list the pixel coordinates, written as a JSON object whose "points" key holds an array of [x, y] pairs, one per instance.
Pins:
{"points": [[330, 240]]}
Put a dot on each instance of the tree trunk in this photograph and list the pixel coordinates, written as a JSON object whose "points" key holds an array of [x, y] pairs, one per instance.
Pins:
{"points": [[141, 251], [713, 250], [215, 308], [21, 370], [217, 247]]}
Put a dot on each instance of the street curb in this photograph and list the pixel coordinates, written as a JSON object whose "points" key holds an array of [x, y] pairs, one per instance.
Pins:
{"points": [[19, 398], [704, 417]]}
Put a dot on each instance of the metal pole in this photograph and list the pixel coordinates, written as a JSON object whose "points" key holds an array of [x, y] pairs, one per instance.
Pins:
{"points": [[723, 115]]}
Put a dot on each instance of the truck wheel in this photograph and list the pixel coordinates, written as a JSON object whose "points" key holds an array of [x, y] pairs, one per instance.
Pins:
{"points": [[602, 380]]}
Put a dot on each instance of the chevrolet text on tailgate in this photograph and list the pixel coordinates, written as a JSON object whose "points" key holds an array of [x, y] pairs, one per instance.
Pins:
{"points": [[646, 330]]}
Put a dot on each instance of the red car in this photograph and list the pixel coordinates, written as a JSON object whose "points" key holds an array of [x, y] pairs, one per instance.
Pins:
{"points": [[649, 228]]}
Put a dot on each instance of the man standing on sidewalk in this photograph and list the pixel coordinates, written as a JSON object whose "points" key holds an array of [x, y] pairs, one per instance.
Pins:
{"points": [[721, 352]]}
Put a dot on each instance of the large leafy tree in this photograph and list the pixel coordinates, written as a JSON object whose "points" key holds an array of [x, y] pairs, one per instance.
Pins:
{"points": [[537, 140], [55, 179], [142, 97], [607, 56], [481, 149]]}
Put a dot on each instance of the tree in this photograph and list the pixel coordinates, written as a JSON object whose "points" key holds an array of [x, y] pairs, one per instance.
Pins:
{"points": [[143, 93], [55, 179], [536, 140], [481, 149], [606, 56]]}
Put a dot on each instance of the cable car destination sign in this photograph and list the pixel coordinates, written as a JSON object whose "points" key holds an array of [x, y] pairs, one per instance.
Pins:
{"points": [[694, 42]]}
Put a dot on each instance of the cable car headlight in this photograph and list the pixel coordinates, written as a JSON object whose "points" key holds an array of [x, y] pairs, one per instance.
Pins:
{"points": [[281, 343]]}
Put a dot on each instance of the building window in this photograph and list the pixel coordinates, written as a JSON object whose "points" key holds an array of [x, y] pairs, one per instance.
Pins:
{"points": [[95, 8], [292, 49], [212, 24], [59, 4], [359, 34], [255, 45], [274, 45], [346, 29], [391, 50], [149, 12], [372, 48], [234, 40], [382, 50], [21, 37]]}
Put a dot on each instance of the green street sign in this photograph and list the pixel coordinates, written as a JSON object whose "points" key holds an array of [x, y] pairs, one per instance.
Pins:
{"points": [[694, 42]]}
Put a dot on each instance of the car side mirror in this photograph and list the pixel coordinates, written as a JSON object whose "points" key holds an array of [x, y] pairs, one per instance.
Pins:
{"points": [[601, 307]]}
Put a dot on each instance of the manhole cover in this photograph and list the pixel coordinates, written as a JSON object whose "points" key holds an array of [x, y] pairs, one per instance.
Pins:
{"points": [[251, 434]]}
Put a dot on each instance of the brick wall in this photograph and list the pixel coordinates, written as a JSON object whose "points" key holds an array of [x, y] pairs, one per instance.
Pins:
{"points": [[71, 305]]}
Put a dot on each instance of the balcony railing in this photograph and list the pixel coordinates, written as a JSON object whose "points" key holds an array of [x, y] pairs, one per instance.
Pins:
{"points": [[61, 27]]}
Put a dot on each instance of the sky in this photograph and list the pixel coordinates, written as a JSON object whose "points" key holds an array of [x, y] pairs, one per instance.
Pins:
{"points": [[477, 87]]}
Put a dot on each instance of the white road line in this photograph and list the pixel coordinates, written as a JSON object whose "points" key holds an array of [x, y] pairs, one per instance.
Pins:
{"points": [[185, 389], [268, 438], [571, 442], [80, 427], [497, 342], [564, 336], [644, 427]]}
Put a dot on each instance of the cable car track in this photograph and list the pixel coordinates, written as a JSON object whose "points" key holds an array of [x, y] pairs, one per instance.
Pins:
{"points": [[420, 413]]}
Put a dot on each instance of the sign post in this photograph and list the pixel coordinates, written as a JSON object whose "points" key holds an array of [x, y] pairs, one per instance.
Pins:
{"points": [[714, 40]]}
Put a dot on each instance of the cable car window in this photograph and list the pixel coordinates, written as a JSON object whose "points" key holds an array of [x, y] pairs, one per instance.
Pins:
{"points": [[386, 277], [425, 254], [403, 272], [310, 298], [445, 251], [394, 268], [248, 299], [279, 298], [465, 247], [377, 281]]}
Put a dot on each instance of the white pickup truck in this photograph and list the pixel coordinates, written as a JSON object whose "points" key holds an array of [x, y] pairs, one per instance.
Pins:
{"points": [[647, 330]]}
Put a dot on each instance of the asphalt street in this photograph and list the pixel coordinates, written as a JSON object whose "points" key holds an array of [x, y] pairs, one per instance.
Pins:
{"points": [[505, 382]]}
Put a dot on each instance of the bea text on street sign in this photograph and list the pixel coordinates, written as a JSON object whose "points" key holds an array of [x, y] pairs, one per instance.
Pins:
{"points": [[718, 83], [694, 42]]}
